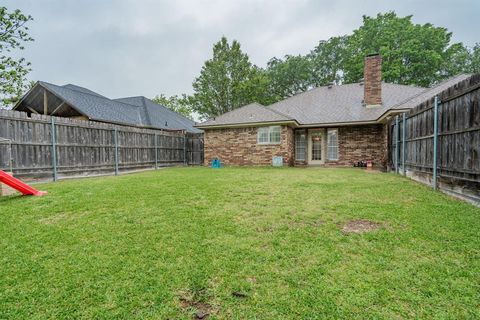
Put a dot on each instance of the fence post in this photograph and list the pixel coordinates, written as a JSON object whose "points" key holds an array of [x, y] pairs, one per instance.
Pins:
{"points": [[185, 148], [404, 122], [397, 131], [54, 151], [156, 152], [435, 142], [115, 137]]}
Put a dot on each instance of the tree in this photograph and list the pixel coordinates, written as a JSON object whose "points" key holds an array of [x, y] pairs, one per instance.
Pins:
{"points": [[290, 76], [13, 33], [459, 59], [412, 53], [327, 60], [175, 103], [227, 81], [475, 58]]}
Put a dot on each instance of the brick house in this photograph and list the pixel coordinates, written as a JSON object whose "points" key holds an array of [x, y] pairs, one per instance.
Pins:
{"points": [[335, 125]]}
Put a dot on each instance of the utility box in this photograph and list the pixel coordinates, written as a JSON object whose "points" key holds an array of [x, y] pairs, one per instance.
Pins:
{"points": [[277, 161], [216, 163]]}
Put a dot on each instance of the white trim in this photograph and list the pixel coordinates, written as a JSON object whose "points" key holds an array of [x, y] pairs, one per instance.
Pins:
{"points": [[310, 145], [269, 130], [305, 144], [391, 112], [337, 146], [337, 124], [248, 125], [295, 124]]}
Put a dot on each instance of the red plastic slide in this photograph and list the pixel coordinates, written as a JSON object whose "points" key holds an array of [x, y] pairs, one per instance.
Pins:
{"points": [[19, 185]]}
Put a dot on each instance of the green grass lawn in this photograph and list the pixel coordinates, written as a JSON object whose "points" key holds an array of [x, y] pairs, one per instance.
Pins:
{"points": [[239, 243]]}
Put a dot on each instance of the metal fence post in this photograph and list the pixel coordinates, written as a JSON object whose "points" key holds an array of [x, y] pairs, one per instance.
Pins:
{"points": [[10, 156], [156, 152], [404, 122], [435, 142], [397, 131], [54, 151], [185, 148], [116, 151]]}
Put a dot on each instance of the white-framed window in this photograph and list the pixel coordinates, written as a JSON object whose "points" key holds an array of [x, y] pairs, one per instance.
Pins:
{"points": [[269, 135], [332, 144], [300, 145]]}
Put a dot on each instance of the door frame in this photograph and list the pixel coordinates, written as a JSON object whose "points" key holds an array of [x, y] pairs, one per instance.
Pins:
{"points": [[310, 144]]}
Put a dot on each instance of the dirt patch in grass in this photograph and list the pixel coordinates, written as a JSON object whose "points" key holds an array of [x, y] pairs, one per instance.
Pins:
{"points": [[192, 302], [360, 226], [202, 309]]}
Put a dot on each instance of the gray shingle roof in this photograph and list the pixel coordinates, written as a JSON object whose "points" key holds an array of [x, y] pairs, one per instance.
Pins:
{"points": [[429, 93], [158, 116], [330, 105], [81, 89], [251, 113], [137, 111], [343, 103]]}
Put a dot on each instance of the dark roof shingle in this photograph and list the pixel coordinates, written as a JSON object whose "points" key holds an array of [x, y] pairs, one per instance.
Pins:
{"points": [[137, 111], [332, 105], [251, 113]]}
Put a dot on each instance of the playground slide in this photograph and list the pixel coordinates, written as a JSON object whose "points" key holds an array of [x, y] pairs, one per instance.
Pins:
{"points": [[19, 185]]}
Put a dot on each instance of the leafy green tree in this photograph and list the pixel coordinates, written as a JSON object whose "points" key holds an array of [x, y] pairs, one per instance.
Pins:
{"points": [[475, 59], [459, 60], [292, 75], [227, 81], [13, 34], [327, 60], [412, 53], [175, 103]]}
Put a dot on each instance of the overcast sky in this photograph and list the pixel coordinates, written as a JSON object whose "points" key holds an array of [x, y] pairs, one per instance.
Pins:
{"points": [[144, 47]]}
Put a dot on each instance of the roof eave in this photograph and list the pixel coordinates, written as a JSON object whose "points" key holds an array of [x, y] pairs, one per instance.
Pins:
{"points": [[294, 123], [25, 95], [391, 112], [338, 124], [72, 105]]}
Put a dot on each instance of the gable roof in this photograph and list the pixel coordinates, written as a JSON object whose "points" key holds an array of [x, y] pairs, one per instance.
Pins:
{"points": [[136, 111], [251, 113], [329, 105]]}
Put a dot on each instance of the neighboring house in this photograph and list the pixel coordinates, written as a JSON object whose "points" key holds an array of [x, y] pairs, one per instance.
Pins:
{"points": [[330, 126], [80, 103]]}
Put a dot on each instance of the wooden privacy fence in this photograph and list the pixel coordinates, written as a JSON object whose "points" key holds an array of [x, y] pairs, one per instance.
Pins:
{"points": [[438, 142], [40, 147]]}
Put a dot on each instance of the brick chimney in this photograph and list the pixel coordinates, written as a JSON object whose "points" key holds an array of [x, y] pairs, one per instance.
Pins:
{"points": [[372, 88]]}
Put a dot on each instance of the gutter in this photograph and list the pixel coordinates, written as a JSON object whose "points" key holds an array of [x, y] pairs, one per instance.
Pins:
{"points": [[294, 124]]}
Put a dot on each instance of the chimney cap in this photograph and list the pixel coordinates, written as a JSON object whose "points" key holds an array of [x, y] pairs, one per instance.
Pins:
{"points": [[373, 54]]}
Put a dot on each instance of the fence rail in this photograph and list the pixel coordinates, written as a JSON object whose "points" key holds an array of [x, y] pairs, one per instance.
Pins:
{"points": [[438, 142], [40, 147]]}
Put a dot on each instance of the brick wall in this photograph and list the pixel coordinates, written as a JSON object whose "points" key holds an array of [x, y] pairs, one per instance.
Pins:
{"points": [[238, 146], [356, 143]]}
